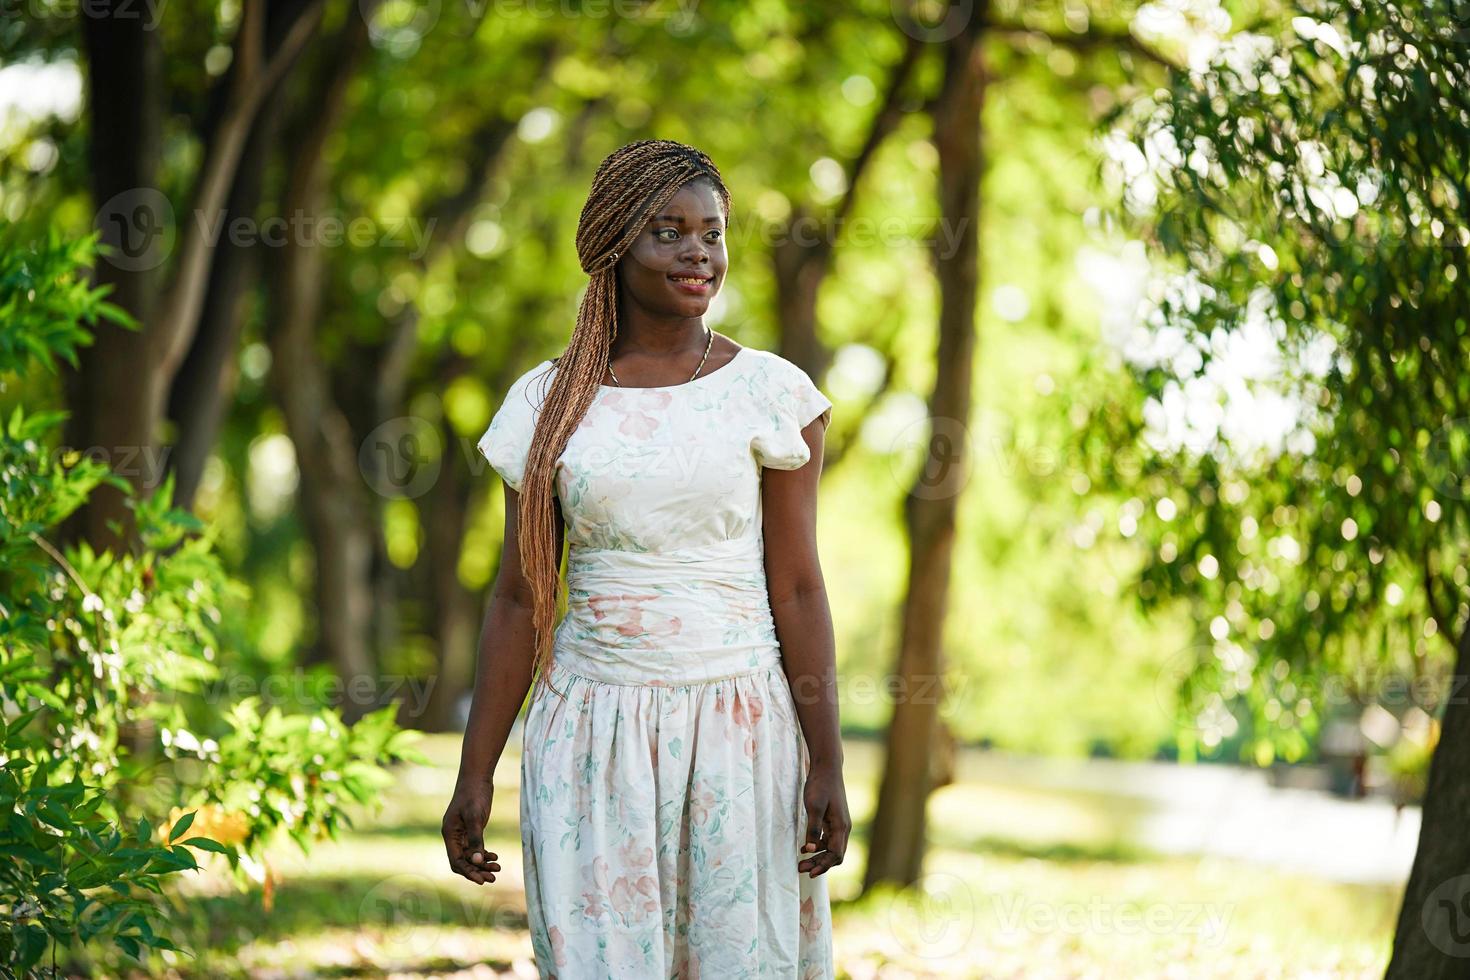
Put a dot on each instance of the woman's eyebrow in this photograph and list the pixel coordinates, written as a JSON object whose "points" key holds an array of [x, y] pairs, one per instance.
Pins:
{"points": [[680, 219]]}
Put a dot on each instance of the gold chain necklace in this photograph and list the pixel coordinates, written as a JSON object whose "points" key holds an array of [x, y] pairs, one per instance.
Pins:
{"points": [[707, 345]]}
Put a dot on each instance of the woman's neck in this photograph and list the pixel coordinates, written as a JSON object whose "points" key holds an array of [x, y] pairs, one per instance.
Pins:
{"points": [[660, 337]]}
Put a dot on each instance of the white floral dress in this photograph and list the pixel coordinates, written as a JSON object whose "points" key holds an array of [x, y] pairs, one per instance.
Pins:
{"points": [[661, 801]]}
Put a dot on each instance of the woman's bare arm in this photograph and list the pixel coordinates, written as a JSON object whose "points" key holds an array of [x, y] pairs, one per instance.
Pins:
{"points": [[503, 671], [808, 650], [502, 678]]}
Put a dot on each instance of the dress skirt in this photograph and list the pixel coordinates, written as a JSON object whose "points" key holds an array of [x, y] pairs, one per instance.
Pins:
{"points": [[661, 800]]}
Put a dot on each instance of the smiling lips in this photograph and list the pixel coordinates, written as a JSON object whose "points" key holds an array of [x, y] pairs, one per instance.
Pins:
{"points": [[694, 283]]}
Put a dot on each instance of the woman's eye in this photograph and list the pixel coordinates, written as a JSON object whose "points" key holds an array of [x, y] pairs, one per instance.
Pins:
{"points": [[715, 235], [674, 232]]}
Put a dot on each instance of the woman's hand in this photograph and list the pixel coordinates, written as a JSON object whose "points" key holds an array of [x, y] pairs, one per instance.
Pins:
{"points": [[827, 822], [464, 833]]}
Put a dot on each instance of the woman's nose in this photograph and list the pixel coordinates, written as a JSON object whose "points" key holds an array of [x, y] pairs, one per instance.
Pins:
{"points": [[696, 251]]}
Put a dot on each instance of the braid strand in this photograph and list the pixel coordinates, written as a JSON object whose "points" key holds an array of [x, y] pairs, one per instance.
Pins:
{"points": [[628, 188]]}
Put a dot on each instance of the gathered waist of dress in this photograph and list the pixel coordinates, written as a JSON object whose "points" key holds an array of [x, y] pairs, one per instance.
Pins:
{"points": [[685, 616]]}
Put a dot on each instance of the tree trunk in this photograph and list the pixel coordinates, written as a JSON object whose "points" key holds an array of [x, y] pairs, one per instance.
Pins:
{"points": [[802, 257], [456, 623], [896, 854], [390, 363], [118, 394], [110, 391], [204, 385], [336, 512], [800, 261], [1432, 941], [453, 624]]}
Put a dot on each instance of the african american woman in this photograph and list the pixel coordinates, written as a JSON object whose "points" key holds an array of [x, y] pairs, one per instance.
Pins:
{"points": [[681, 771]]}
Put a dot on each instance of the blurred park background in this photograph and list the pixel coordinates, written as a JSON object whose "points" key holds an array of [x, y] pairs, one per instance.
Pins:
{"points": [[1143, 514]]}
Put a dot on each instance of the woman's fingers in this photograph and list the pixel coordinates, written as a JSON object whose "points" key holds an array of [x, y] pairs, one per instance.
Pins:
{"points": [[452, 831], [466, 870], [832, 846], [814, 844], [475, 847], [836, 847], [815, 809], [478, 873], [482, 860], [838, 826], [465, 848], [479, 865], [821, 863]]}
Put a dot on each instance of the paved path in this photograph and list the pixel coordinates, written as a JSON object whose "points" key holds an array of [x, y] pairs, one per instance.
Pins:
{"points": [[1228, 811]]}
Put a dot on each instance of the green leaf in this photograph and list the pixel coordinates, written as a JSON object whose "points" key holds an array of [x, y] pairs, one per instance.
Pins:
{"points": [[183, 824]]}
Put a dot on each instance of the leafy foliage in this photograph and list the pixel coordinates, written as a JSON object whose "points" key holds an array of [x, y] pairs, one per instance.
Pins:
{"points": [[1309, 192], [44, 302], [102, 658]]}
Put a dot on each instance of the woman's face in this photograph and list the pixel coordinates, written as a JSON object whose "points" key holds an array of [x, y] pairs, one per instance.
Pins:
{"points": [[677, 263]]}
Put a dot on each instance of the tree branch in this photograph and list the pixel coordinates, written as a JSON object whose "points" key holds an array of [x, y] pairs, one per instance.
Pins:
{"points": [[174, 330], [883, 124], [1443, 618], [450, 214], [1091, 41]]}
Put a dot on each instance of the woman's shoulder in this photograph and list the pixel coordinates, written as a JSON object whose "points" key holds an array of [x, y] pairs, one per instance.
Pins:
{"points": [[767, 360], [527, 393], [540, 375], [775, 367]]}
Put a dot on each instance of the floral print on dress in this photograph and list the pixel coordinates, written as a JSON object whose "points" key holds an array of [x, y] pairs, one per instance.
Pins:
{"points": [[661, 802], [641, 414]]}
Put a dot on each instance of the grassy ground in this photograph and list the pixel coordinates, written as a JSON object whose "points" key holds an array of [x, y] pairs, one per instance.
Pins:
{"points": [[1019, 884]]}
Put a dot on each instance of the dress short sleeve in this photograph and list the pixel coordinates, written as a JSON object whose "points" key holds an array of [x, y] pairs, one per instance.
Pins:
{"points": [[792, 401], [507, 442]]}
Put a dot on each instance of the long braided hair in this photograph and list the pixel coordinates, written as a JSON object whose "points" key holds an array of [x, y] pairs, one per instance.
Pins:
{"points": [[629, 188]]}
